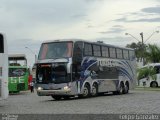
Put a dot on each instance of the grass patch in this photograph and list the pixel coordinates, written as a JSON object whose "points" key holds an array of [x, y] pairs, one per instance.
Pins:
{"points": [[147, 88]]}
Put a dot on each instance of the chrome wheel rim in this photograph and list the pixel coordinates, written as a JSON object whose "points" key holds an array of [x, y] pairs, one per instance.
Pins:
{"points": [[121, 90], [154, 84], [94, 90], [85, 91]]}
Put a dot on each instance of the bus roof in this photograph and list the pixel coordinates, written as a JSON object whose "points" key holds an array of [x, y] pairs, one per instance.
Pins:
{"points": [[94, 42], [18, 67], [17, 57], [152, 64]]}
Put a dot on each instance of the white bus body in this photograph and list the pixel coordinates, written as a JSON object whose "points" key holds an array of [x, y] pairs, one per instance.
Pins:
{"points": [[149, 82], [86, 69], [3, 68]]}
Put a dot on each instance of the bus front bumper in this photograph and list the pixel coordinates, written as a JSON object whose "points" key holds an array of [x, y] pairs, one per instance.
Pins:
{"points": [[53, 92]]}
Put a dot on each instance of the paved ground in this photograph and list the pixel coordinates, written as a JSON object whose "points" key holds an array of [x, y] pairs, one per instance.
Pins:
{"points": [[135, 102]]}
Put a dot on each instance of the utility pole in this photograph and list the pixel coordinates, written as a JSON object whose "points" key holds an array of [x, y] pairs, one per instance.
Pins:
{"points": [[142, 37], [142, 42], [143, 48], [32, 53]]}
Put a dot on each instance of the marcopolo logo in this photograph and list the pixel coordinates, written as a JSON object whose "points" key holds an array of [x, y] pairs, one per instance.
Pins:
{"points": [[139, 117], [9, 117]]}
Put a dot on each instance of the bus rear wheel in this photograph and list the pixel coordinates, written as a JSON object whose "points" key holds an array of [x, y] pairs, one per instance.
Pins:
{"points": [[120, 90], [94, 90], [56, 97], [126, 89]]}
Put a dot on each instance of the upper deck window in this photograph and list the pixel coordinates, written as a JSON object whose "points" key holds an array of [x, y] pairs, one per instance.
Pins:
{"points": [[119, 53], [55, 50], [96, 50], [88, 49], [125, 54], [112, 52], [105, 52]]}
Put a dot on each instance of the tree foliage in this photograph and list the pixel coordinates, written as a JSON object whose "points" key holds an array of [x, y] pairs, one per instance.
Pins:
{"points": [[152, 54], [147, 72], [139, 49]]}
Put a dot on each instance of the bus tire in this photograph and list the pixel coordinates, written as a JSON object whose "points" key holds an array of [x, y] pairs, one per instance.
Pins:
{"points": [[56, 97], [120, 90], [86, 91], [115, 92], [66, 97], [126, 88], [154, 84], [94, 90]]}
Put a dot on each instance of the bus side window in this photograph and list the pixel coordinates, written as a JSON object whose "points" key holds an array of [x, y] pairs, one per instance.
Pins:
{"points": [[125, 54], [1, 44], [88, 49], [157, 68], [112, 52], [77, 52], [76, 69]]}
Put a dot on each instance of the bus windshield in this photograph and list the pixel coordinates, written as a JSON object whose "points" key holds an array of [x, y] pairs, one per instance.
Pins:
{"points": [[16, 72], [55, 50]]}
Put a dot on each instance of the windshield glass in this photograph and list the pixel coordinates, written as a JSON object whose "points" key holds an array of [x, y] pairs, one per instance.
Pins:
{"points": [[55, 73], [55, 50], [16, 72]]}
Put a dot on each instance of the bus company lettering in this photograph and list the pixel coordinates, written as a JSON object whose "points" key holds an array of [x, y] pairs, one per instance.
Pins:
{"points": [[109, 63], [15, 79]]}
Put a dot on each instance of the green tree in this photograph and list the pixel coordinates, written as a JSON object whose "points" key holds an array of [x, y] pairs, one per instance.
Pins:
{"points": [[147, 72], [139, 49], [152, 54]]}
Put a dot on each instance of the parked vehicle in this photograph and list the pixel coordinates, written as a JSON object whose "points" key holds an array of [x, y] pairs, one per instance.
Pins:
{"points": [[18, 73]]}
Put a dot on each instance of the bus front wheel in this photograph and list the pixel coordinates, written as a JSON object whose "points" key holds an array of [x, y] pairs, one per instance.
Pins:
{"points": [[85, 92]]}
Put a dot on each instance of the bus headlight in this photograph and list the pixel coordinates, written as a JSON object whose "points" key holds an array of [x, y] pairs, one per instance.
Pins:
{"points": [[66, 88], [40, 88]]}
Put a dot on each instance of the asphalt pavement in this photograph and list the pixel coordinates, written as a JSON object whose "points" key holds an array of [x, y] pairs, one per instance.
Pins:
{"points": [[136, 101]]}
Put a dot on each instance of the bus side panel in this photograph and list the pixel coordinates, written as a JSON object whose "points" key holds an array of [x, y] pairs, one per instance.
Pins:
{"points": [[108, 73], [4, 70], [127, 72], [101, 72], [12, 85]]}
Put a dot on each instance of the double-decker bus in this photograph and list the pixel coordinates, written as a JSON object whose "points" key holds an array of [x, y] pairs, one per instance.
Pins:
{"points": [[81, 68], [3, 68], [18, 73]]}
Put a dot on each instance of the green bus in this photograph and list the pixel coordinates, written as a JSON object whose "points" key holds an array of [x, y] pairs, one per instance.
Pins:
{"points": [[18, 73]]}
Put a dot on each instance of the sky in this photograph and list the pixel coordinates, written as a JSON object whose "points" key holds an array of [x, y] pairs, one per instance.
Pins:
{"points": [[27, 23]]}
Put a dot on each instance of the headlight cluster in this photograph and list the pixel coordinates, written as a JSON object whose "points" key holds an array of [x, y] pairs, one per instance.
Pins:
{"points": [[66, 88], [40, 88]]}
